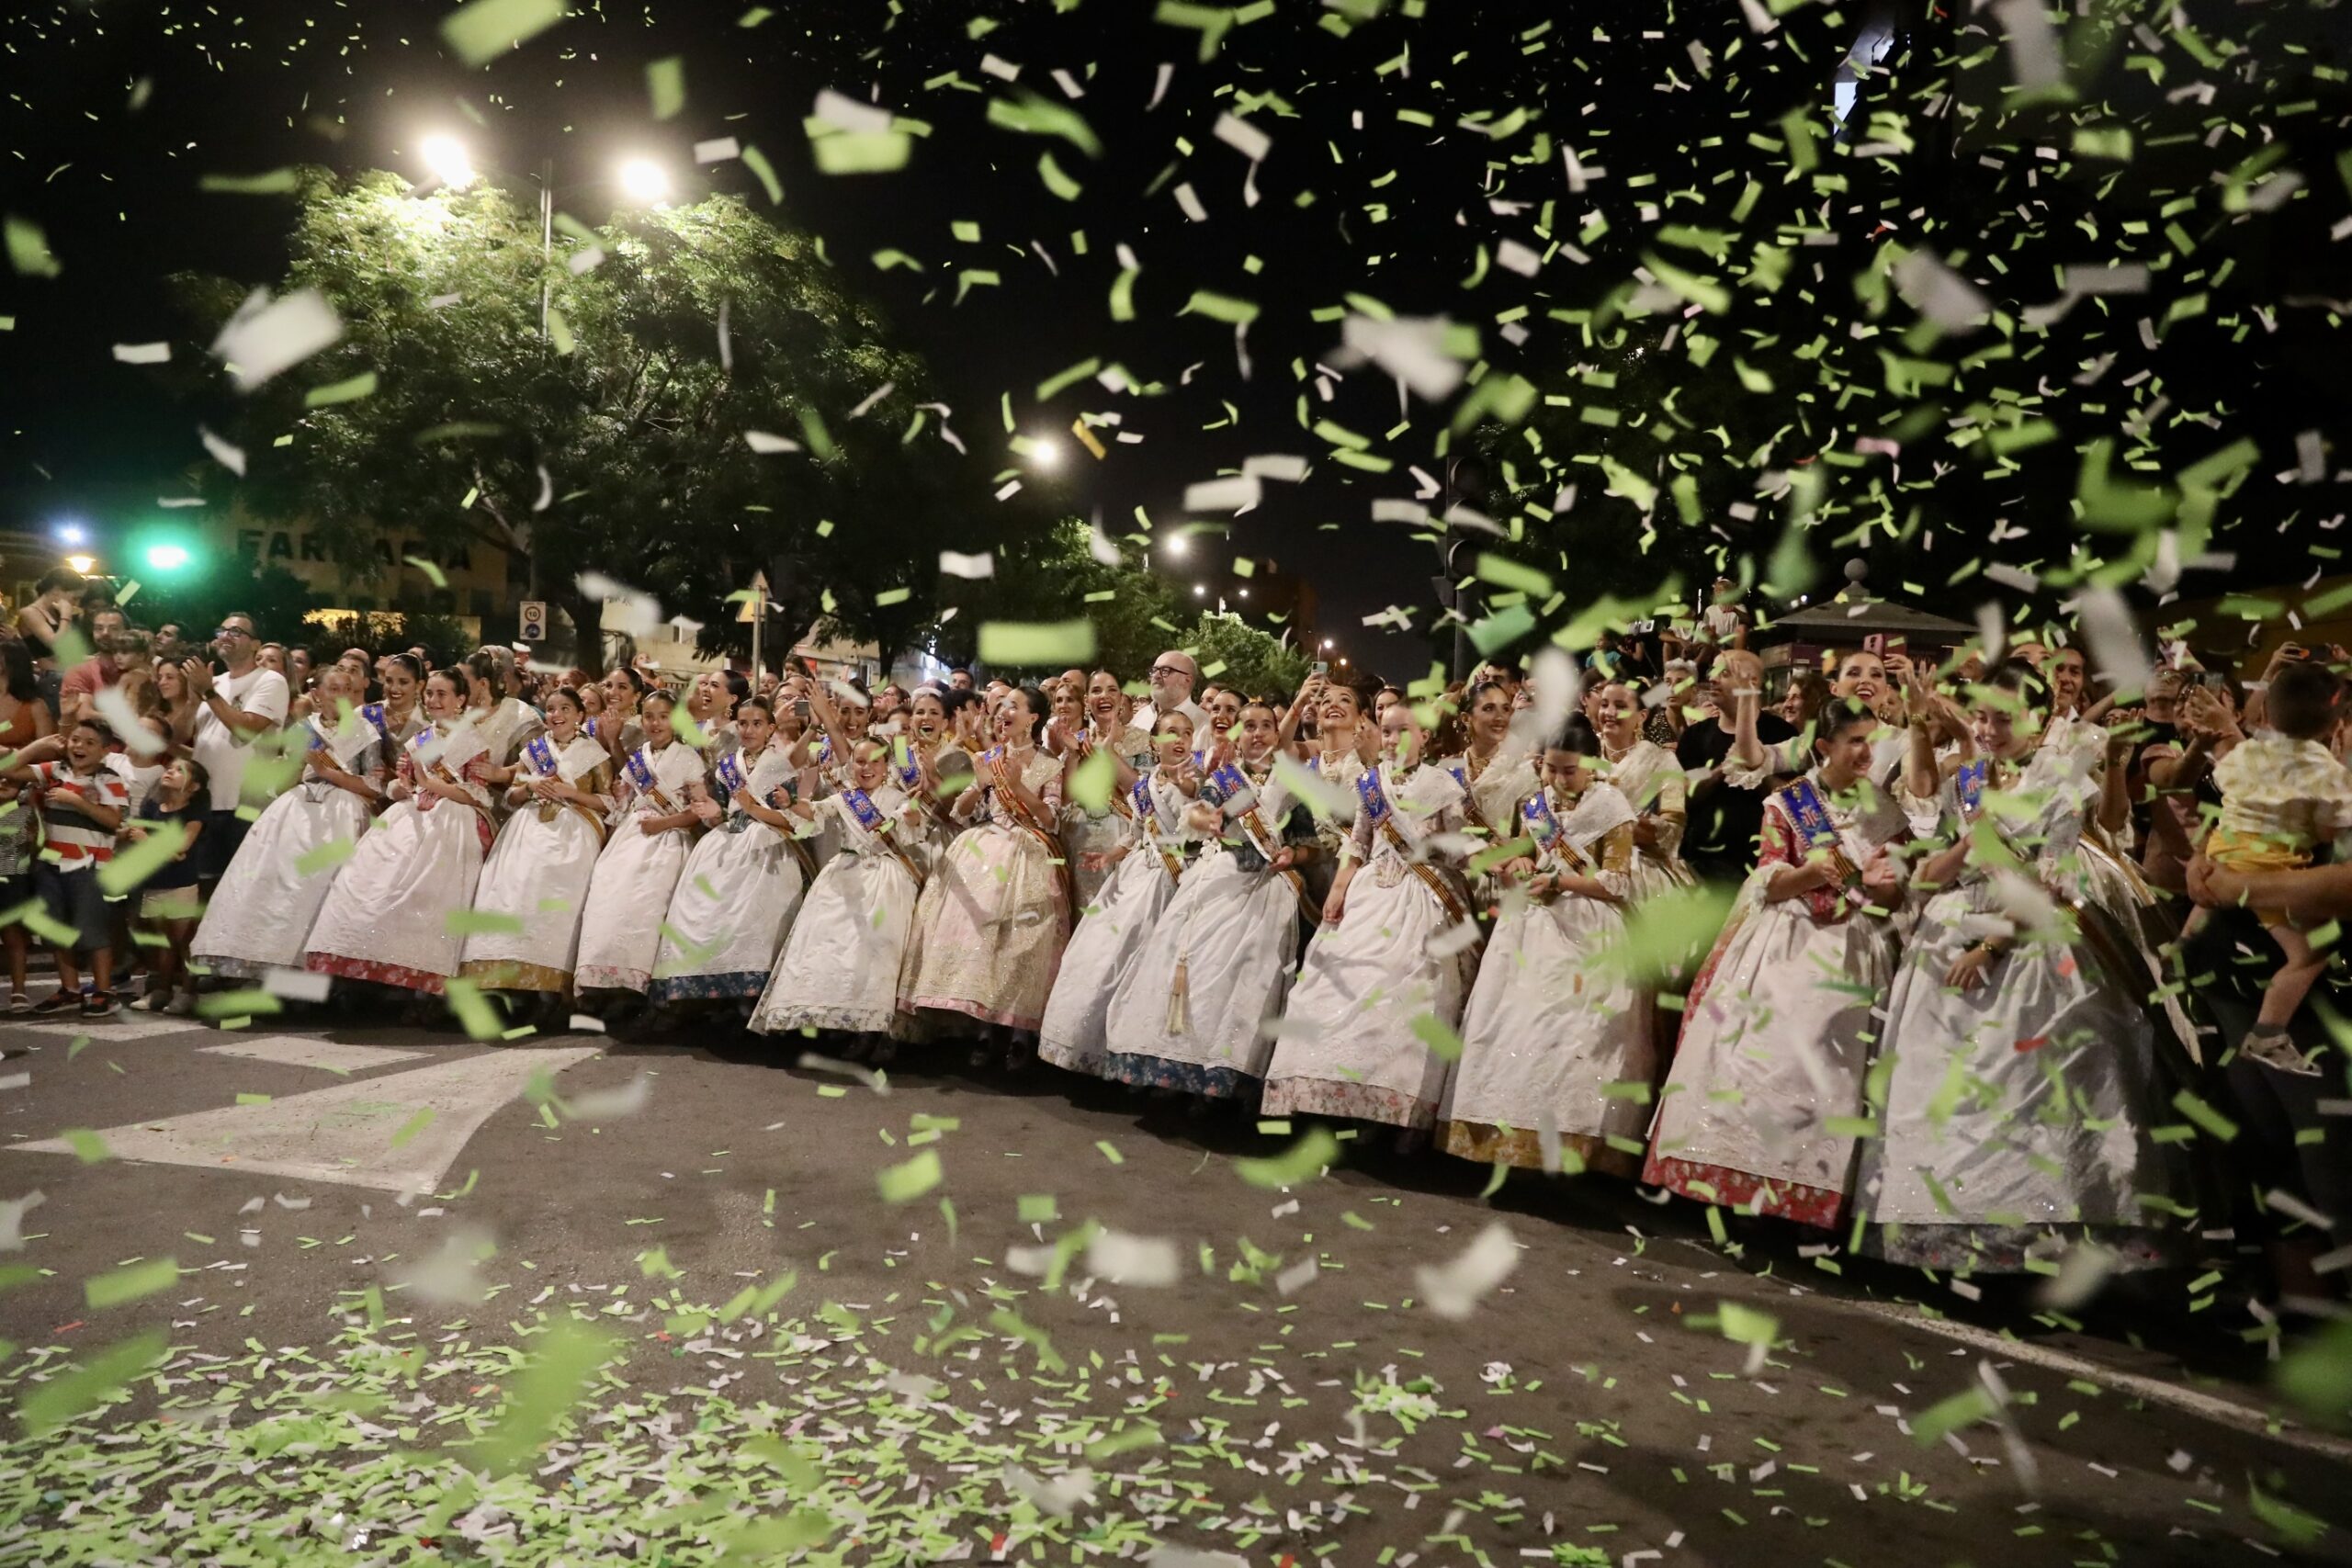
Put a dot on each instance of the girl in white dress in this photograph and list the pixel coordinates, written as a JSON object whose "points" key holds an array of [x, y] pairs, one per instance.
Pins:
{"points": [[744, 879], [1649, 775], [2017, 985], [538, 870], [653, 821], [385, 920], [260, 914], [839, 969], [1396, 952], [1144, 873], [1195, 1011], [1089, 835], [995, 912], [1767, 1080], [1555, 1042]]}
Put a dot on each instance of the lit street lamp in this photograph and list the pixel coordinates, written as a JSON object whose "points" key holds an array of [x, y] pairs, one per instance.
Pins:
{"points": [[1176, 544], [644, 181], [82, 564]]}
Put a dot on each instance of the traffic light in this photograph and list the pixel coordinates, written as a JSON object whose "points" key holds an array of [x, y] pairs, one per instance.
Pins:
{"points": [[165, 552]]}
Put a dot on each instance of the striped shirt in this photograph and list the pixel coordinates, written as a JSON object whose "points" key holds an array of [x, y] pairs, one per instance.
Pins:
{"points": [[77, 840]]}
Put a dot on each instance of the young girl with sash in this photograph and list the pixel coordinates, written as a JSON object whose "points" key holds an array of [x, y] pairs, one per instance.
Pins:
{"points": [[619, 727], [839, 969], [1761, 1107], [995, 912], [1647, 775], [1091, 834], [1196, 1008], [1144, 873], [385, 920], [743, 881], [538, 870], [653, 821], [2018, 987], [1354, 1041], [1345, 745], [260, 914], [1556, 1063], [1495, 772]]}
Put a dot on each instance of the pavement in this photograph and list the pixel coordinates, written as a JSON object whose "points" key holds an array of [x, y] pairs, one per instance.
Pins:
{"points": [[684, 1301]]}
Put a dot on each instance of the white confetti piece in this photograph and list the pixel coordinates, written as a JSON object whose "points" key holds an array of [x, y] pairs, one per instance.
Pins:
{"points": [[266, 336], [717, 150], [848, 113], [763, 442], [11, 1219], [142, 353], [1412, 349], [1454, 1290], [1275, 465], [1134, 1259], [1224, 495], [1243, 137], [1190, 200], [640, 612], [232, 457], [604, 1104], [972, 566]]}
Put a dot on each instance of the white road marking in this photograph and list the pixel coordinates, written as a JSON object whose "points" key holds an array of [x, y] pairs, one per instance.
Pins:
{"points": [[309, 1051], [2250, 1418], [359, 1134], [124, 1026]]}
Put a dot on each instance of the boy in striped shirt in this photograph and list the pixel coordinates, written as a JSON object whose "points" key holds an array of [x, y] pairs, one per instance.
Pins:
{"points": [[83, 803]]}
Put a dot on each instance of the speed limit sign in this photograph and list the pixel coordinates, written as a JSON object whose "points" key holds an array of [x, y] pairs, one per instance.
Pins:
{"points": [[535, 620]]}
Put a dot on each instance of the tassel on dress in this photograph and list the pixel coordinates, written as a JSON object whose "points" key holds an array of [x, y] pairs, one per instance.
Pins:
{"points": [[1180, 989]]}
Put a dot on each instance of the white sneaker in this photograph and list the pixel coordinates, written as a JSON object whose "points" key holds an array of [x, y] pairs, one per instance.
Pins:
{"points": [[152, 1002]]}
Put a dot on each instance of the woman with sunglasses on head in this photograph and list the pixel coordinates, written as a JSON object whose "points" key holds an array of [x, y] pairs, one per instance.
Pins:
{"points": [[1397, 948], [1144, 873], [385, 919], [539, 869], [657, 785], [996, 911]]}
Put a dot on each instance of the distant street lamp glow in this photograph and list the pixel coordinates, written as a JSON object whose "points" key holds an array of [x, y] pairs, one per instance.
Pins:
{"points": [[643, 180], [167, 557], [1046, 454], [71, 534], [445, 157], [1177, 544], [82, 564], [1330, 643], [1200, 590], [1245, 593]]}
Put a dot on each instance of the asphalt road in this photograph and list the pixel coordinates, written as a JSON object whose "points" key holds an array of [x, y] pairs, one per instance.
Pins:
{"points": [[780, 1360]]}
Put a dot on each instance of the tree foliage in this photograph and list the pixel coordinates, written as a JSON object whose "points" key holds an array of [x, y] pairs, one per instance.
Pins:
{"points": [[620, 442]]}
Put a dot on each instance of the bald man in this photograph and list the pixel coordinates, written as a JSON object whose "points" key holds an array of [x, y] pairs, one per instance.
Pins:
{"points": [[1172, 676]]}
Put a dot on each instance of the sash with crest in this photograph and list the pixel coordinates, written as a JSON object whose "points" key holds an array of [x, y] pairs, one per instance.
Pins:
{"points": [[1147, 815], [638, 765], [1969, 785], [868, 815], [439, 766], [1372, 801], [1000, 771], [1802, 800], [1459, 768]]}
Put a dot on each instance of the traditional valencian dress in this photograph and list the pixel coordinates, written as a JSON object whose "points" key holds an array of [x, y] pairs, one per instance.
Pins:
{"points": [[620, 926], [538, 872], [738, 892], [840, 965], [1652, 778], [387, 917], [995, 913], [1354, 1041], [2021, 1114], [260, 914], [1777, 1028], [1093, 831], [1197, 1006], [1555, 1042], [1115, 928]]}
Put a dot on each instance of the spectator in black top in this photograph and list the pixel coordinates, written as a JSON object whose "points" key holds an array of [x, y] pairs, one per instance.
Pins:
{"points": [[1728, 758]]}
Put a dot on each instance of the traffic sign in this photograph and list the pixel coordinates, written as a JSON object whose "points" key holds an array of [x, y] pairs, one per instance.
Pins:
{"points": [[535, 620]]}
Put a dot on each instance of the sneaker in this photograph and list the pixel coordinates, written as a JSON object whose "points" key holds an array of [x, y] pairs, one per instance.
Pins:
{"points": [[98, 1004], [56, 1003], [152, 1002], [182, 1005], [2273, 1049]]}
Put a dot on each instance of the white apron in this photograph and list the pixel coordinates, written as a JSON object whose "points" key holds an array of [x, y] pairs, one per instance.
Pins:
{"points": [[620, 926], [1105, 945], [538, 872], [839, 969], [260, 914], [734, 899]]}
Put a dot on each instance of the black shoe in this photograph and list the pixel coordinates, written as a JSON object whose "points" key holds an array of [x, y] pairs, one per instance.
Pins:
{"points": [[57, 1003], [98, 1004]]}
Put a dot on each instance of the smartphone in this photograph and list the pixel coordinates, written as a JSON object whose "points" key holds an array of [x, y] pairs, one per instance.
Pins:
{"points": [[1322, 666], [1875, 644], [1897, 645], [801, 709], [2295, 651]]}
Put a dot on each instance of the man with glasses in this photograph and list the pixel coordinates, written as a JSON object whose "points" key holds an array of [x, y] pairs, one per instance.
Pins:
{"points": [[1172, 677], [235, 706]]}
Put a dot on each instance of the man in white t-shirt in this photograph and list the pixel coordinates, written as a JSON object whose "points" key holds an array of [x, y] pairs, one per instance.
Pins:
{"points": [[1172, 677], [237, 706]]}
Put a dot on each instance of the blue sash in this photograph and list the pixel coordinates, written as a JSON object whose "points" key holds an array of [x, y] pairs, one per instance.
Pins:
{"points": [[909, 775], [542, 756], [1369, 796], [1229, 782], [730, 773], [374, 714], [589, 724], [1812, 815], [640, 771], [1969, 784], [861, 805], [1142, 796], [1542, 825], [824, 749]]}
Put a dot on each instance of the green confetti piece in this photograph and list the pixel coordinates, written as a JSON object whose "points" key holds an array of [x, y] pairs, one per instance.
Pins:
{"points": [[136, 862], [1038, 1208], [2205, 1116], [757, 162], [349, 390], [861, 152], [87, 1146], [484, 30], [553, 1380], [1109, 1151], [1295, 1167], [29, 251], [1092, 781], [248, 1002], [1974, 1403], [414, 1126], [903, 1183], [481, 922], [1056, 181], [277, 182], [252, 1099], [1438, 1036], [472, 1010], [1744, 1324], [49, 1405], [130, 1283], [666, 85], [1036, 645]]}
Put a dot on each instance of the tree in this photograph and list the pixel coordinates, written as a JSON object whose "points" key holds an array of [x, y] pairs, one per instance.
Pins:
{"points": [[622, 441]]}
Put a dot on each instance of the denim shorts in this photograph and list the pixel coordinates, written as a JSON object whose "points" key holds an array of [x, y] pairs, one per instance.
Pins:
{"points": [[73, 899]]}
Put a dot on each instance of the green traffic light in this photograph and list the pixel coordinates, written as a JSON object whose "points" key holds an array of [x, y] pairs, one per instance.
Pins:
{"points": [[167, 557]]}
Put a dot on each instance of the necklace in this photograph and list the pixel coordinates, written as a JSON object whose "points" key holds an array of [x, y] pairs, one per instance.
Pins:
{"points": [[1619, 753]]}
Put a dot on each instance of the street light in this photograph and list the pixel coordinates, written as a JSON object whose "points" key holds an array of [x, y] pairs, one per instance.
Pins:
{"points": [[1046, 454], [81, 564], [1200, 590], [71, 534], [445, 156], [167, 557], [1330, 643], [644, 181], [1177, 544]]}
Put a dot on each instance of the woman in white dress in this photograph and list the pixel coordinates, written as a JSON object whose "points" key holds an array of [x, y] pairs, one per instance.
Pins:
{"points": [[1649, 775], [654, 822], [1767, 1077], [260, 914], [995, 912], [1556, 1064], [1495, 772], [1195, 1013], [385, 920], [1089, 835], [1145, 871], [2018, 987], [1395, 955], [1345, 744], [620, 726], [538, 870], [839, 969], [744, 879]]}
